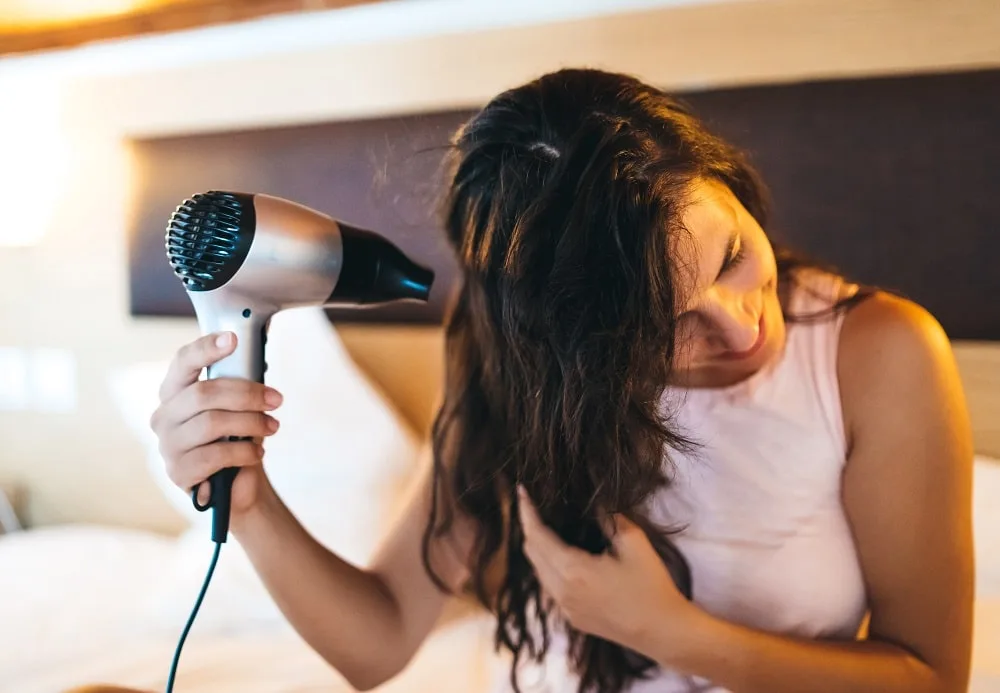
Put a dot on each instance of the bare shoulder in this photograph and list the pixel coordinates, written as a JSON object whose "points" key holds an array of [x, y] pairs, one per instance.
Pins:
{"points": [[895, 363], [886, 330]]}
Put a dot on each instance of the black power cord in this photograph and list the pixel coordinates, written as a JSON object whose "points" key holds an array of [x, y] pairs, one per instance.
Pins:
{"points": [[194, 613]]}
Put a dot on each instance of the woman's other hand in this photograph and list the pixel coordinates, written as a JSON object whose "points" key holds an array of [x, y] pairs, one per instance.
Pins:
{"points": [[626, 596]]}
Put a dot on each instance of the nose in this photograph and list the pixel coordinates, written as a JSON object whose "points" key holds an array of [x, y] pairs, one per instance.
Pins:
{"points": [[737, 322]]}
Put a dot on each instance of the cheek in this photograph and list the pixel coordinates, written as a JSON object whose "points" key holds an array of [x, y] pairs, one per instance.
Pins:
{"points": [[759, 269], [764, 259]]}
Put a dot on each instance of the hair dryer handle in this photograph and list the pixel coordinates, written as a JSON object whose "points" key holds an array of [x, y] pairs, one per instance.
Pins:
{"points": [[220, 496], [249, 323]]}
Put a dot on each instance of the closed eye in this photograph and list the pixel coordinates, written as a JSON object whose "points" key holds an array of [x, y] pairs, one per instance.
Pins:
{"points": [[735, 254]]}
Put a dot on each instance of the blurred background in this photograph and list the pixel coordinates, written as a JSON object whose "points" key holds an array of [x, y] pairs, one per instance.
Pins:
{"points": [[877, 122]]}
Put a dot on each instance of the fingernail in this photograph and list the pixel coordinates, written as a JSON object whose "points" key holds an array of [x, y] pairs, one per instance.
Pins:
{"points": [[272, 397], [222, 341], [260, 450], [272, 425]]}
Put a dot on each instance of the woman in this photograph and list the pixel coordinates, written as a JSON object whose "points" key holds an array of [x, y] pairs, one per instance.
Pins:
{"points": [[644, 403]]}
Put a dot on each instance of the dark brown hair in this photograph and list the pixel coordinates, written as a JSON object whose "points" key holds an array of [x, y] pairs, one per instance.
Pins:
{"points": [[565, 195]]}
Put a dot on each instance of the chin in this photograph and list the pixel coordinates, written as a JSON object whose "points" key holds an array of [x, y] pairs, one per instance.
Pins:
{"points": [[726, 373]]}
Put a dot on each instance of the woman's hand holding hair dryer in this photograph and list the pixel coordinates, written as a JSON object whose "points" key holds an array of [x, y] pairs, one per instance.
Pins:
{"points": [[195, 417], [367, 623]]}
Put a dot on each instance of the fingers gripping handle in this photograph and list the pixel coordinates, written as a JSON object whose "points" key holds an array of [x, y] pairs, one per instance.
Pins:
{"points": [[221, 487], [249, 324]]}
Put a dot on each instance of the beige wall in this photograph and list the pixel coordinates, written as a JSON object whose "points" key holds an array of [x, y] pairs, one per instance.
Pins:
{"points": [[70, 290]]}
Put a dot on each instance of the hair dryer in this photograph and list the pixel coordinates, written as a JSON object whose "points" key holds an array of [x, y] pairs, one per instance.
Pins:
{"points": [[243, 257]]}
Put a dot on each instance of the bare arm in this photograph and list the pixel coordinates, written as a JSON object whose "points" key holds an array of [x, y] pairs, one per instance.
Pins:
{"points": [[366, 623], [907, 492], [908, 486]]}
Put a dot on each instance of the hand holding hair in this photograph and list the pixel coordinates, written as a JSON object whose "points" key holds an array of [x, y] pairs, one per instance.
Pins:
{"points": [[626, 596]]}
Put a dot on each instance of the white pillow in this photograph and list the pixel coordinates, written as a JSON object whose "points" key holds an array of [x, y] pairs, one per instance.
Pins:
{"points": [[986, 525], [343, 453]]}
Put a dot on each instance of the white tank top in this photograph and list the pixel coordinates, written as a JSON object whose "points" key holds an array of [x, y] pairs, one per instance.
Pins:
{"points": [[765, 532]]}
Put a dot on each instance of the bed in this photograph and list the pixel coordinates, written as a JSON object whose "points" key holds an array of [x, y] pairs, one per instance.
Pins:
{"points": [[99, 604], [107, 612], [91, 603], [106, 604]]}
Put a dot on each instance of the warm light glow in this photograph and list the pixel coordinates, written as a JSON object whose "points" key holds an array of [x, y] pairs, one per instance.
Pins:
{"points": [[28, 14], [34, 161]]}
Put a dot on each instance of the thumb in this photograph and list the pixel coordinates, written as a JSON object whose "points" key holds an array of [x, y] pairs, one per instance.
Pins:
{"points": [[623, 533]]}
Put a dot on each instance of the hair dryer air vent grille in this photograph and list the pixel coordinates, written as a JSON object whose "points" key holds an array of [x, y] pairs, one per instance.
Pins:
{"points": [[208, 237]]}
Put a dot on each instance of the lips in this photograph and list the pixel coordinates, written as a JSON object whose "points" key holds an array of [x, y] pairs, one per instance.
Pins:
{"points": [[761, 337]]}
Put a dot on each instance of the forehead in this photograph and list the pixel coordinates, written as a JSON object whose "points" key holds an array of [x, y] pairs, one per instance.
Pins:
{"points": [[709, 220]]}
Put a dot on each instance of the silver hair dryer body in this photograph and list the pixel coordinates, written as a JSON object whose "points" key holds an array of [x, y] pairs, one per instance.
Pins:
{"points": [[243, 257]]}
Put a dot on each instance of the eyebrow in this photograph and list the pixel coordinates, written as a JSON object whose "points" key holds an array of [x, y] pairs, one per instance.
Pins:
{"points": [[730, 247]]}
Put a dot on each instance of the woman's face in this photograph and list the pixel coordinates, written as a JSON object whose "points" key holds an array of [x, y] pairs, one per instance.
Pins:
{"points": [[731, 322]]}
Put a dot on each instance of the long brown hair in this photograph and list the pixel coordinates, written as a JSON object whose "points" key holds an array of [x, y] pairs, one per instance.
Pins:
{"points": [[564, 197]]}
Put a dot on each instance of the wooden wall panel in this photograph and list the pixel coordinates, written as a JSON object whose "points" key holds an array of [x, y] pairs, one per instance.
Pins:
{"points": [[893, 180]]}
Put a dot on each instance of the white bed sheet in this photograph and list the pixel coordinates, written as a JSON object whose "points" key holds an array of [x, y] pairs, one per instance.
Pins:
{"points": [[450, 662], [86, 604]]}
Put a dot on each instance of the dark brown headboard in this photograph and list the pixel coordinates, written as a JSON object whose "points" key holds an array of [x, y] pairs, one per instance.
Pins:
{"points": [[896, 181], [378, 174]]}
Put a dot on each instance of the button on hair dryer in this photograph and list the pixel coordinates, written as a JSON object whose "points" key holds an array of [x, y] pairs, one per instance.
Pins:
{"points": [[243, 257]]}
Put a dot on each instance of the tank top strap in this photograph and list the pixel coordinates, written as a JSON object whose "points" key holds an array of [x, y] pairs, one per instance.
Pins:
{"points": [[814, 324]]}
